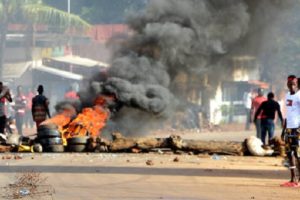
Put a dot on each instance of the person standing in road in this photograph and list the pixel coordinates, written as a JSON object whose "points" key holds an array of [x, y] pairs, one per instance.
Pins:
{"points": [[291, 133], [4, 95], [256, 102], [40, 107], [20, 107], [28, 118], [247, 98], [268, 110], [71, 94]]}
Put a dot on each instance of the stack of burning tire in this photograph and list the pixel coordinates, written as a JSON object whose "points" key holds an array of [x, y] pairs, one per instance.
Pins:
{"points": [[50, 138], [78, 144]]}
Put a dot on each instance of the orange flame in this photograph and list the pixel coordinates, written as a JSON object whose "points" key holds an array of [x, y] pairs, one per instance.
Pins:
{"points": [[87, 123], [60, 120]]}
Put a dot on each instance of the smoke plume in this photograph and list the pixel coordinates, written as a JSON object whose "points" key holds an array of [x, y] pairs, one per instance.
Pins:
{"points": [[172, 36]]}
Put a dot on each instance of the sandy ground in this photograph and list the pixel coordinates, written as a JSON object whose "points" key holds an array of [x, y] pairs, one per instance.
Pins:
{"points": [[127, 176]]}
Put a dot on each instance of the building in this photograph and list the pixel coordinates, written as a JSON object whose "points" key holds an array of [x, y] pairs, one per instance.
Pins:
{"points": [[227, 105], [50, 61]]}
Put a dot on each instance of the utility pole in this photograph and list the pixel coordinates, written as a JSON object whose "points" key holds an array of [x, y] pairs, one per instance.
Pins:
{"points": [[69, 7], [3, 32], [69, 25]]}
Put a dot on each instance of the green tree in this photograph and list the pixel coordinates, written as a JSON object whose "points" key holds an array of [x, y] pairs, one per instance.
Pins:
{"points": [[100, 11], [33, 12]]}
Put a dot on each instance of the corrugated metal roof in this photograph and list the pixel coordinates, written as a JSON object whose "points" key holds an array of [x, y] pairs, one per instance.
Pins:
{"points": [[260, 84], [61, 73], [15, 70], [76, 60]]}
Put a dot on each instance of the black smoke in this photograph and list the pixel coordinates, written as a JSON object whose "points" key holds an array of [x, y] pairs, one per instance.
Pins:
{"points": [[172, 36]]}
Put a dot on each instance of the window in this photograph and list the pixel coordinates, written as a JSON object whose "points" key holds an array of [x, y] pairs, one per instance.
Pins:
{"points": [[234, 91]]}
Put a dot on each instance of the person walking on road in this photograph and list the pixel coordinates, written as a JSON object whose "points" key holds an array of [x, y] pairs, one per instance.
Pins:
{"points": [[40, 107], [256, 102], [268, 110]]}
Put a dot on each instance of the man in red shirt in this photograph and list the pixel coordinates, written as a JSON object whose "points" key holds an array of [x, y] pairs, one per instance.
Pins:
{"points": [[256, 102], [71, 95], [28, 117], [268, 110]]}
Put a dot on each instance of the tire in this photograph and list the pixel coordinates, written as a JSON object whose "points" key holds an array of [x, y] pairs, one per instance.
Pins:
{"points": [[77, 148], [37, 148], [49, 133], [77, 140], [47, 127], [51, 141], [54, 148]]}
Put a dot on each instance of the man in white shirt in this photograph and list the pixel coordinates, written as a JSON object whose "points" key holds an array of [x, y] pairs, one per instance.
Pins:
{"points": [[247, 103], [291, 133]]}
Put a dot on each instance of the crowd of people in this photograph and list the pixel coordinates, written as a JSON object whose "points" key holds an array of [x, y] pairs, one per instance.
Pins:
{"points": [[21, 109], [25, 108]]}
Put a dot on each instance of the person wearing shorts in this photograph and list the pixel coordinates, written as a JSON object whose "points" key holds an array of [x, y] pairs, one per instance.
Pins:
{"points": [[291, 135]]}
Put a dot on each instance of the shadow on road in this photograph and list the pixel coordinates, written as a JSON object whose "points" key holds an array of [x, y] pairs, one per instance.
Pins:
{"points": [[267, 174]]}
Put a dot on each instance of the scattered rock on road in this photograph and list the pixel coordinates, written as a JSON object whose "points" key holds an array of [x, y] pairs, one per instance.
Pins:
{"points": [[149, 162]]}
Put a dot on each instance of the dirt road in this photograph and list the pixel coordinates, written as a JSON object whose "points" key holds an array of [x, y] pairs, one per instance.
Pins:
{"points": [[127, 176]]}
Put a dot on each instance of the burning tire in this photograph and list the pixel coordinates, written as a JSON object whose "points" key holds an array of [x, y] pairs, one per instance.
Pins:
{"points": [[77, 148], [54, 148], [51, 141], [77, 144], [78, 140], [49, 133], [47, 127]]}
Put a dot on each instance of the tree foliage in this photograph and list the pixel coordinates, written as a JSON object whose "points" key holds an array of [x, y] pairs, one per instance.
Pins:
{"points": [[33, 12], [100, 11], [38, 13]]}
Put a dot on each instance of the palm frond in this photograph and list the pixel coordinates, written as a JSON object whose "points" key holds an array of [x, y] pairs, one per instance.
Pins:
{"points": [[39, 13]]}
